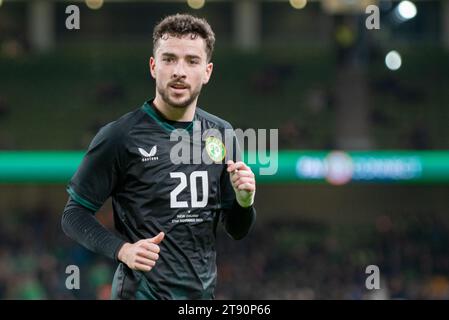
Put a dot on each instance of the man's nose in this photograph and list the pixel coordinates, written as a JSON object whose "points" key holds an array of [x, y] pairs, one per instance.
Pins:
{"points": [[179, 70]]}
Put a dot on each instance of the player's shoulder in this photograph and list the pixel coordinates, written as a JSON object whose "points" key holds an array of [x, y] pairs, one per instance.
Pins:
{"points": [[213, 119], [119, 128]]}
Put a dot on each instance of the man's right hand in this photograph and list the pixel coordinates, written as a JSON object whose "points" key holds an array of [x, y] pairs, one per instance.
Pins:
{"points": [[141, 255]]}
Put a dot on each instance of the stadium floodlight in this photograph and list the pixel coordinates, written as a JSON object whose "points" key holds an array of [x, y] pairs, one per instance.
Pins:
{"points": [[393, 60], [298, 4], [196, 4], [94, 4], [346, 6], [406, 10]]}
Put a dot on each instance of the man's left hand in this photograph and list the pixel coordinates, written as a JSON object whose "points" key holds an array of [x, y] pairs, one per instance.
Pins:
{"points": [[243, 182]]}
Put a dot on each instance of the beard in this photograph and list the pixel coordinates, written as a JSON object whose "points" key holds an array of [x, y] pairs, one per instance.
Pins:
{"points": [[178, 103]]}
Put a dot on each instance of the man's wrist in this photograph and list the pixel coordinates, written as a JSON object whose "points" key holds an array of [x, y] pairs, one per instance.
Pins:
{"points": [[245, 199], [121, 256], [245, 204]]}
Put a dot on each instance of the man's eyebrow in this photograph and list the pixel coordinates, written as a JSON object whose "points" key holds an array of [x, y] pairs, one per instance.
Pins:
{"points": [[193, 56], [188, 56], [169, 54]]}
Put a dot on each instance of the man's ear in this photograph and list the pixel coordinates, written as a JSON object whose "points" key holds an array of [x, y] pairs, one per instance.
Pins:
{"points": [[152, 64], [209, 69]]}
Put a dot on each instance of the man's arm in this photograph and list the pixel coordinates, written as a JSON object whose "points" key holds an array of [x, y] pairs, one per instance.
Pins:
{"points": [[238, 221], [92, 184], [80, 224], [240, 218]]}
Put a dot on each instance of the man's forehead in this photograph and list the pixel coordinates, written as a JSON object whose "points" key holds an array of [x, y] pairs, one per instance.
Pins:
{"points": [[182, 45]]}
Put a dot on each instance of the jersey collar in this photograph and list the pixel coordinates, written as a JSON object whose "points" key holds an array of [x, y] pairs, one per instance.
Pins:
{"points": [[160, 120]]}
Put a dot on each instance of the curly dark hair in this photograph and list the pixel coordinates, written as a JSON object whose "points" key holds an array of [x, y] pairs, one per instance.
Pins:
{"points": [[183, 24]]}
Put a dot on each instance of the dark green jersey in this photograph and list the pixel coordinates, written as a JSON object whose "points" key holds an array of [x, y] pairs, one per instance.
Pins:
{"points": [[131, 161]]}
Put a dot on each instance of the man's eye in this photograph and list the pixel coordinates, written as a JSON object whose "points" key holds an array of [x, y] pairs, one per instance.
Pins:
{"points": [[168, 59], [194, 61]]}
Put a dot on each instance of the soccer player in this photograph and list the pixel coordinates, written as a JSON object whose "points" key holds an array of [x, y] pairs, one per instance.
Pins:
{"points": [[165, 212]]}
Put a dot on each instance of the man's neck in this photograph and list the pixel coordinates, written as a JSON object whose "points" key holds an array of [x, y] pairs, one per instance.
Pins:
{"points": [[173, 113]]}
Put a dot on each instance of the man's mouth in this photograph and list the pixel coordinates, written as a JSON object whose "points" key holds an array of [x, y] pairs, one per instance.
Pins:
{"points": [[178, 86]]}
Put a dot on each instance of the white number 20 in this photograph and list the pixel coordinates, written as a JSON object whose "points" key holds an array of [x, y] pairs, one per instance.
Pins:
{"points": [[196, 203]]}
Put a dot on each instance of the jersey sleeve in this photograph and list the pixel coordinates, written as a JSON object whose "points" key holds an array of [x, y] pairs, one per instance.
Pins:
{"points": [[99, 172]]}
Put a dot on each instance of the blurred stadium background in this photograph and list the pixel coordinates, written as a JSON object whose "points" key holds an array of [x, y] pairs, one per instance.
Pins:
{"points": [[308, 68]]}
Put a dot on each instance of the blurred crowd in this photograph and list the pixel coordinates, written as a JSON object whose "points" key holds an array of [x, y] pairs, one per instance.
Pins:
{"points": [[282, 260], [305, 260], [35, 254]]}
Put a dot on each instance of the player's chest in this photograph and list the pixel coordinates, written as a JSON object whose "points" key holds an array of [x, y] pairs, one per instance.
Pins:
{"points": [[160, 162]]}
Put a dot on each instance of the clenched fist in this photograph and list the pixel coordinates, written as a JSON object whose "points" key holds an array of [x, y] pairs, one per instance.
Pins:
{"points": [[141, 255], [243, 181]]}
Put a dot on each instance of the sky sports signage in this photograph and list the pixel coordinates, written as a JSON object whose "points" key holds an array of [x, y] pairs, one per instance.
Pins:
{"points": [[338, 167], [331, 167]]}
